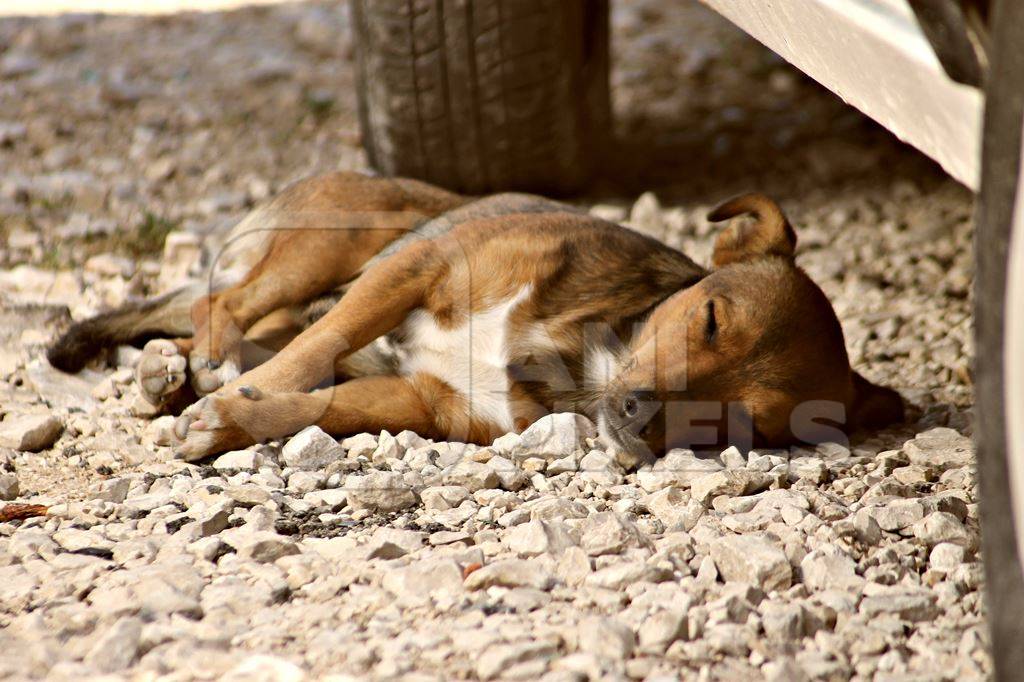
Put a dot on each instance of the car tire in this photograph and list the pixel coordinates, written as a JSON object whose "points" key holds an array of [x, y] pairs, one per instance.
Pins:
{"points": [[999, 341], [484, 95]]}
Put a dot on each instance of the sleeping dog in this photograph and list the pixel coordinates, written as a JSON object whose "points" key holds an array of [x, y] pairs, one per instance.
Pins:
{"points": [[392, 304]]}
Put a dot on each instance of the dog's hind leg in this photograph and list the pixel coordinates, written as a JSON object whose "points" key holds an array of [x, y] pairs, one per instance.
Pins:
{"points": [[377, 302], [300, 265], [323, 231]]}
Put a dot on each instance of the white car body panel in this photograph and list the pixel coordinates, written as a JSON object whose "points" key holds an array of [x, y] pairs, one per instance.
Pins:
{"points": [[873, 55]]}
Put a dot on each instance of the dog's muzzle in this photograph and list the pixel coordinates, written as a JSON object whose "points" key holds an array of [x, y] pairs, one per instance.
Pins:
{"points": [[626, 421]]}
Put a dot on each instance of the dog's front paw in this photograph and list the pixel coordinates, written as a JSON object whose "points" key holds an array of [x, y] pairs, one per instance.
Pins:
{"points": [[212, 425], [160, 371]]}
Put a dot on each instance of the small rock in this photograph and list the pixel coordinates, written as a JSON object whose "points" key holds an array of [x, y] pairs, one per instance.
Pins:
{"points": [[472, 476], [621, 575], [733, 458], [898, 514], [913, 604], [510, 573], [302, 482], [947, 556], [658, 631], [606, 638], [420, 581], [555, 436], [242, 460], [379, 491], [600, 468], [409, 540], [113, 490], [360, 445], [867, 528], [264, 668], [117, 648], [540, 537], [610, 533], [449, 537], [261, 546], [311, 449], [499, 658], [443, 497], [645, 216], [9, 488], [939, 527], [828, 567], [678, 468], [752, 559], [809, 469], [782, 622], [940, 448], [729, 482], [30, 433], [674, 508]]}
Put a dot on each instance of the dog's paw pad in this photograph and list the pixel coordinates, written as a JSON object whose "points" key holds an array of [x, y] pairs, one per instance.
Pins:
{"points": [[209, 375], [197, 430], [160, 371]]}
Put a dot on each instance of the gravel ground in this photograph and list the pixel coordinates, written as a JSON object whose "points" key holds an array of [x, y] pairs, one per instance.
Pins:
{"points": [[389, 557]]}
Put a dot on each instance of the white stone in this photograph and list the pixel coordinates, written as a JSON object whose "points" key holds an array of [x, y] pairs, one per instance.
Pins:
{"points": [[662, 628], [30, 433], [674, 508], [939, 527], [828, 567], [610, 533], [733, 458], [260, 546], [243, 460], [443, 497], [678, 468], [472, 476], [752, 559], [511, 573], [311, 449], [264, 668], [116, 649], [730, 482], [555, 436], [606, 638], [947, 556], [497, 659], [941, 448], [9, 488], [540, 537], [360, 445], [384, 491]]}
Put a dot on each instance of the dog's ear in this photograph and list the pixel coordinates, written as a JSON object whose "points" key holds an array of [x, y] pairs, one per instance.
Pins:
{"points": [[771, 235], [874, 406]]}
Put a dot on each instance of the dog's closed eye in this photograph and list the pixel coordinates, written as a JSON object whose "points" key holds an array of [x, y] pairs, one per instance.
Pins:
{"points": [[711, 327]]}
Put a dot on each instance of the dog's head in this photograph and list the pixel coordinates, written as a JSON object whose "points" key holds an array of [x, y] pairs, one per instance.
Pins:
{"points": [[752, 355]]}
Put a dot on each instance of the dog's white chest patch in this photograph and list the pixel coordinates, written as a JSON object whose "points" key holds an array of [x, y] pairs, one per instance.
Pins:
{"points": [[471, 358]]}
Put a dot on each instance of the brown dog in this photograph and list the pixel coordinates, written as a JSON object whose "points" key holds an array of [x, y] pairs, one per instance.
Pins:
{"points": [[465, 319]]}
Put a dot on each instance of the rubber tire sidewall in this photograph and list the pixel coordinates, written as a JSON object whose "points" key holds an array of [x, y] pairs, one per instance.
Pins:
{"points": [[475, 154]]}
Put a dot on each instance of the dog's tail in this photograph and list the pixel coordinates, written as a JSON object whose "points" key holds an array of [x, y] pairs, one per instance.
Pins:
{"points": [[167, 315]]}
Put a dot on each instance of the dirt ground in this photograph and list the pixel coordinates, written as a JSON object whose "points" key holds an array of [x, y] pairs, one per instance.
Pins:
{"points": [[116, 131]]}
